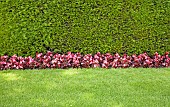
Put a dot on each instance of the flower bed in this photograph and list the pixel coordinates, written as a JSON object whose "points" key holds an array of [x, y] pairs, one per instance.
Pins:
{"points": [[77, 60]]}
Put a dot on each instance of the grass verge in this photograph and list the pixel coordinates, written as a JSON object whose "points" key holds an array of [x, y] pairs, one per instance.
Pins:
{"points": [[86, 88]]}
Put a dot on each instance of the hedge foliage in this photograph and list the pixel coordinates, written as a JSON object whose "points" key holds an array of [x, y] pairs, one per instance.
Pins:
{"points": [[86, 26]]}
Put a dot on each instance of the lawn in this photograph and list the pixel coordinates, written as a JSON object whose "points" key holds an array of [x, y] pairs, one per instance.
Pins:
{"points": [[132, 87]]}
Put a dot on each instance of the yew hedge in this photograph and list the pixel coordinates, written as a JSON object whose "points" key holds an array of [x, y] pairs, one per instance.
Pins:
{"points": [[86, 26]]}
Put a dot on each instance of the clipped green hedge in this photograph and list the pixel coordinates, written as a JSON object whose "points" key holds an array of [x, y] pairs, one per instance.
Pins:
{"points": [[86, 26]]}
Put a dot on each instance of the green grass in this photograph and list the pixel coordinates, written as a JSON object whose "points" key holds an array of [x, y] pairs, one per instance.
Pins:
{"points": [[85, 88]]}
